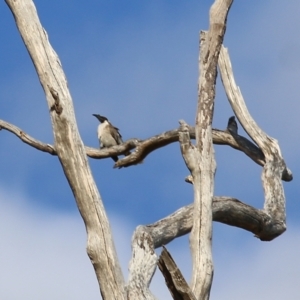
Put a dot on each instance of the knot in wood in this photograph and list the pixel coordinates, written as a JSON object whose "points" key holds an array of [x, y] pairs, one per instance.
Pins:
{"points": [[56, 106]]}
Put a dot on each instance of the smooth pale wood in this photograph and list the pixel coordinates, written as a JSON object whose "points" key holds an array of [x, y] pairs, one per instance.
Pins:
{"points": [[200, 238], [142, 265], [203, 176], [226, 210], [70, 149], [274, 167], [175, 281], [203, 170]]}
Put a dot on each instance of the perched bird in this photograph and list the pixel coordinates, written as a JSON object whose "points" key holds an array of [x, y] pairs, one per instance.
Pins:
{"points": [[108, 135], [232, 125]]}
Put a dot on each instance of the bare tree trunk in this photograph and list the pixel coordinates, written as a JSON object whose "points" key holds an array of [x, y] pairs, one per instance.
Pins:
{"points": [[70, 149], [201, 234], [201, 163]]}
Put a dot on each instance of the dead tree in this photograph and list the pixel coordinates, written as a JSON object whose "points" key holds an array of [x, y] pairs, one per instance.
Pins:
{"points": [[195, 218]]}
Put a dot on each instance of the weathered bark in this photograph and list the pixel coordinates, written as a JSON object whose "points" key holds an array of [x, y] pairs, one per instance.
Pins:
{"points": [[274, 167], [145, 147], [201, 163], [175, 281], [225, 210], [200, 238], [70, 149], [142, 265]]}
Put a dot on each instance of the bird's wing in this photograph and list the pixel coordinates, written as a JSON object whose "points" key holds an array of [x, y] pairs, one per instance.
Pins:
{"points": [[232, 125], [114, 131]]}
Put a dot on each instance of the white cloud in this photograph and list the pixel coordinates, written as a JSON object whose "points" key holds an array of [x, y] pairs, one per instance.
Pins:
{"points": [[43, 256], [259, 270]]}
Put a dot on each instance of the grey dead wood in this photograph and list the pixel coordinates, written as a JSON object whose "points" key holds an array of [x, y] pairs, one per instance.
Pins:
{"points": [[274, 166], [142, 265], [175, 281], [200, 160], [200, 241], [145, 147], [70, 149], [227, 208]]}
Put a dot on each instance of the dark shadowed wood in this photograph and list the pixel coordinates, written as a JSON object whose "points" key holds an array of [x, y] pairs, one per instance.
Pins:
{"points": [[145, 147], [175, 281]]}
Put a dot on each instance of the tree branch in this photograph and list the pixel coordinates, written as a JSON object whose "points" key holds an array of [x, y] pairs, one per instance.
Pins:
{"points": [[26, 138], [226, 210], [145, 147], [275, 166], [201, 163], [175, 281], [142, 265]]}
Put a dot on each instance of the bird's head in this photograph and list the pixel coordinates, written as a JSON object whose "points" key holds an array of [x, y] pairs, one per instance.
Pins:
{"points": [[100, 118]]}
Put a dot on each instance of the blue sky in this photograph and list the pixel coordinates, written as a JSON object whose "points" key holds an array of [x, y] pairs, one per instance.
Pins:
{"points": [[136, 63]]}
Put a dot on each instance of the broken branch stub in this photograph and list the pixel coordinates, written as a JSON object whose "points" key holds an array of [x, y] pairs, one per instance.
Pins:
{"points": [[142, 265], [175, 281]]}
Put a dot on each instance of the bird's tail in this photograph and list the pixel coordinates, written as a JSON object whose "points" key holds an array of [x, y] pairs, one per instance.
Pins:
{"points": [[127, 153], [115, 158]]}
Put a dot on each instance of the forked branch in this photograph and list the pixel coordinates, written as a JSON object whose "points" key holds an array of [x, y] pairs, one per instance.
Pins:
{"points": [[225, 210]]}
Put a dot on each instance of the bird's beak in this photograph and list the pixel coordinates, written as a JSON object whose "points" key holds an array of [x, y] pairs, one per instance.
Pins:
{"points": [[100, 118], [97, 116]]}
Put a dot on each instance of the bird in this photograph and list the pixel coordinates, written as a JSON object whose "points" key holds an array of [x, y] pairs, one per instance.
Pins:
{"points": [[232, 126], [108, 135]]}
